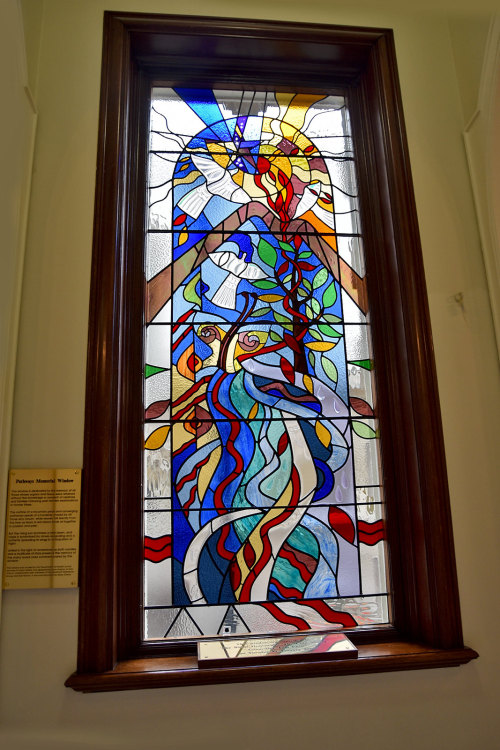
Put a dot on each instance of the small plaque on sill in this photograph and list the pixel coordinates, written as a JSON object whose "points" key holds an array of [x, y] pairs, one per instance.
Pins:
{"points": [[236, 652]]}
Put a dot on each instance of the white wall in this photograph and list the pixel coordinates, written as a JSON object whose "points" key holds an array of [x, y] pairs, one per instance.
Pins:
{"points": [[456, 708]]}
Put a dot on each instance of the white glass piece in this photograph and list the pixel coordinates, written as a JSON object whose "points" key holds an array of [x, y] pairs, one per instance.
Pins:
{"points": [[367, 610], [157, 388], [157, 622], [325, 118], [351, 250], [360, 383], [157, 503], [369, 499], [209, 619], [175, 116], [158, 253], [346, 221], [157, 589], [157, 471], [366, 460], [351, 312], [158, 346], [373, 568], [157, 524], [356, 343], [183, 627], [343, 178]]}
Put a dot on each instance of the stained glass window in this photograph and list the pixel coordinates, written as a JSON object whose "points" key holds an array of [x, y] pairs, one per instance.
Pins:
{"points": [[263, 506]]}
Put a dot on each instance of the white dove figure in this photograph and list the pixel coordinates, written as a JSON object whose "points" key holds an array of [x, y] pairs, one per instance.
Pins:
{"points": [[237, 269], [218, 182], [309, 201]]}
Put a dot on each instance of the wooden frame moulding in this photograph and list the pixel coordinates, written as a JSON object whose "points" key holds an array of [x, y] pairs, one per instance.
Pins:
{"points": [[139, 50]]}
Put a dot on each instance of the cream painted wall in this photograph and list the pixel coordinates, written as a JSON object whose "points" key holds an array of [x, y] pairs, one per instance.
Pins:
{"points": [[480, 90], [17, 133], [469, 35], [456, 708]]}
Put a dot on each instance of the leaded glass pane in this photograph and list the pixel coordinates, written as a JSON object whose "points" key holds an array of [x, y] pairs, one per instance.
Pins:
{"points": [[262, 499]]}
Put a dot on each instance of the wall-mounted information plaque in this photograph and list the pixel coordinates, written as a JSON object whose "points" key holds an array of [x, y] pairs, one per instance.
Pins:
{"points": [[238, 652], [42, 534]]}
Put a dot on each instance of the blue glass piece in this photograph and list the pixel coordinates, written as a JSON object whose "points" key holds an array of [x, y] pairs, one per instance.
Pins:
{"points": [[204, 104], [325, 480], [179, 595], [211, 577]]}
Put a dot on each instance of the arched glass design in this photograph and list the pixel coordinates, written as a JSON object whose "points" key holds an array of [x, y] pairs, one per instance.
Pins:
{"points": [[263, 506]]}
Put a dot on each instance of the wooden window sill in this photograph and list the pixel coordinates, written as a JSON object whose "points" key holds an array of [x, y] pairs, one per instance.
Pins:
{"points": [[179, 671]]}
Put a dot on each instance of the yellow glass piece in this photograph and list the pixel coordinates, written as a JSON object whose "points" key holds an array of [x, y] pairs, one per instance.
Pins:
{"points": [[180, 385], [320, 346], [308, 384], [208, 437], [238, 177], [187, 179], [157, 438], [271, 297], [223, 160], [253, 411], [323, 434], [180, 436]]}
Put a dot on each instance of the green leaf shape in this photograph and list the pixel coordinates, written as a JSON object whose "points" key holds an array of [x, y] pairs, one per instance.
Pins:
{"points": [[152, 370], [316, 306], [309, 312], [286, 247], [305, 254], [329, 331], [281, 318], [287, 278], [320, 278], [265, 284], [363, 430], [260, 311], [366, 364], [315, 334], [329, 296], [274, 336], [267, 253], [302, 293], [330, 369], [307, 284], [332, 318], [190, 294], [310, 356], [288, 327]]}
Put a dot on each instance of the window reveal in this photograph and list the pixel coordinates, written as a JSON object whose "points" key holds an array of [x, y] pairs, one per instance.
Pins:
{"points": [[141, 51], [263, 503]]}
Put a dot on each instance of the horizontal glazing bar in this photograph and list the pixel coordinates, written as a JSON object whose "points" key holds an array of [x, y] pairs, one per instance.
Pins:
{"points": [[358, 598], [301, 233]]}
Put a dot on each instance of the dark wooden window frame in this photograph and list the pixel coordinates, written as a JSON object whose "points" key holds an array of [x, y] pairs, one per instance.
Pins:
{"points": [[138, 51]]}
